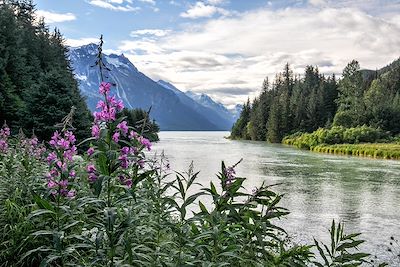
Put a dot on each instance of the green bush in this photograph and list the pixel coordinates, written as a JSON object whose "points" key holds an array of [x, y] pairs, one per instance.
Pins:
{"points": [[336, 135]]}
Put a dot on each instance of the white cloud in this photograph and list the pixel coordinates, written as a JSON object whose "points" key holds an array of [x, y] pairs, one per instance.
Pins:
{"points": [[116, 5], [174, 3], [201, 9], [152, 2], [317, 2], [228, 58], [216, 2], [153, 32], [81, 41], [51, 17]]}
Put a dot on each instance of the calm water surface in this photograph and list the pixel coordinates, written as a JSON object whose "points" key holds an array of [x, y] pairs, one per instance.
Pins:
{"points": [[363, 193]]}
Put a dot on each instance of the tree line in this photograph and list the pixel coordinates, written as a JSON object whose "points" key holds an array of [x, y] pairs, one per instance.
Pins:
{"points": [[37, 86], [303, 104]]}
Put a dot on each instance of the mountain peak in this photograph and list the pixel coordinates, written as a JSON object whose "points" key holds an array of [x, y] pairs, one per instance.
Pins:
{"points": [[119, 61], [91, 49]]}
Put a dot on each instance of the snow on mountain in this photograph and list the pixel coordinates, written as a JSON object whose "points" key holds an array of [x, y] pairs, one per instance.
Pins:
{"points": [[235, 111], [214, 115], [208, 102]]}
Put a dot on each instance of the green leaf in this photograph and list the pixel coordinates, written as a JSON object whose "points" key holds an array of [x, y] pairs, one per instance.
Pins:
{"points": [[40, 212], [321, 252], [203, 208], [348, 245]]}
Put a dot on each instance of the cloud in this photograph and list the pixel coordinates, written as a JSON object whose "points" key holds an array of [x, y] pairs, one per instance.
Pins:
{"points": [[151, 2], [116, 5], [230, 91], [200, 10], [216, 2], [81, 41], [51, 17], [317, 2], [229, 57], [153, 32], [174, 3]]}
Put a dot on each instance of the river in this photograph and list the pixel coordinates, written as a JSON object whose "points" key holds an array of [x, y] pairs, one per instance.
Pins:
{"points": [[363, 193]]}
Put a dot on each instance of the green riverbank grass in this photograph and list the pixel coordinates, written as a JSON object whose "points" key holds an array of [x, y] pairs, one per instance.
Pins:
{"points": [[371, 150]]}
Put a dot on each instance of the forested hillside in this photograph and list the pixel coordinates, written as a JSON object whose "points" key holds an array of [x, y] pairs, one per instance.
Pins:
{"points": [[294, 103], [37, 87]]}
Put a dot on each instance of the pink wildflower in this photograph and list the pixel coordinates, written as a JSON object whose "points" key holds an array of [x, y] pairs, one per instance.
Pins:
{"points": [[70, 137], [51, 157], [96, 131], [51, 183], [72, 173], [124, 161], [123, 126], [133, 135], [71, 194], [145, 142], [104, 88], [141, 163], [115, 137], [90, 151]]}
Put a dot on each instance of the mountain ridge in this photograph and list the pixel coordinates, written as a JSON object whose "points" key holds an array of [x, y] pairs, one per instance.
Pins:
{"points": [[136, 90]]}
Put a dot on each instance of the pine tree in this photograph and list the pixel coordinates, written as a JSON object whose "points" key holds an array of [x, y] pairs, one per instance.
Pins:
{"points": [[37, 86]]}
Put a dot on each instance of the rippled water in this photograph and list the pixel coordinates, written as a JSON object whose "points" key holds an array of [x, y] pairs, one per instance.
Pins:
{"points": [[363, 193]]}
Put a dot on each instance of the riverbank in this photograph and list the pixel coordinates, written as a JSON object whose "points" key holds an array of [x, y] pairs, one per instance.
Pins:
{"points": [[371, 150]]}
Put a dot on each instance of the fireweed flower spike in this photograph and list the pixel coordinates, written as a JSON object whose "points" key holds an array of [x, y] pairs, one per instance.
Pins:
{"points": [[230, 173], [32, 147], [60, 164], [4, 134]]}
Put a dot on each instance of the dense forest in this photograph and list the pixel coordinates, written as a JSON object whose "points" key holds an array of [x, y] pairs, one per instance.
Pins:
{"points": [[35, 76], [303, 104]]}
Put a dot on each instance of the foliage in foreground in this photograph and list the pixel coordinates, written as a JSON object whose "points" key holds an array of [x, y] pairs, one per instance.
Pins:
{"points": [[147, 218], [111, 206]]}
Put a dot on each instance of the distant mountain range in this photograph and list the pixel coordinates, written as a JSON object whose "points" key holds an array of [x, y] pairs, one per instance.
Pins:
{"points": [[170, 107]]}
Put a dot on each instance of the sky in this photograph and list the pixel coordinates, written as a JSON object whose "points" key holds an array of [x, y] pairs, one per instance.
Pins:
{"points": [[226, 48]]}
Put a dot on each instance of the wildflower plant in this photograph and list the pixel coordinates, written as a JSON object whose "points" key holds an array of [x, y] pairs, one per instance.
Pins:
{"points": [[4, 134], [116, 165]]}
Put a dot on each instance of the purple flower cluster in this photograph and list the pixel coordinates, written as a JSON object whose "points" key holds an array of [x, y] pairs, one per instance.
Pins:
{"points": [[145, 142], [32, 147], [4, 134], [60, 162], [105, 119], [230, 175], [125, 181], [109, 107], [142, 140], [92, 173], [108, 111]]}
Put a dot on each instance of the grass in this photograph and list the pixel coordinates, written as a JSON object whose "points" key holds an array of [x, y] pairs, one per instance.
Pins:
{"points": [[371, 150]]}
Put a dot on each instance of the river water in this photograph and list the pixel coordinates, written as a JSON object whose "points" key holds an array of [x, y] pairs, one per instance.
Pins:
{"points": [[363, 193]]}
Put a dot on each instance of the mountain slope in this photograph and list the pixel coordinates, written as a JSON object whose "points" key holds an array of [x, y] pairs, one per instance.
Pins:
{"points": [[219, 116], [136, 90], [208, 102]]}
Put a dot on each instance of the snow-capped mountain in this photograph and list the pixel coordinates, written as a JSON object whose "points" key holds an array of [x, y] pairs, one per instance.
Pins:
{"points": [[214, 112], [168, 108], [208, 102], [235, 111]]}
